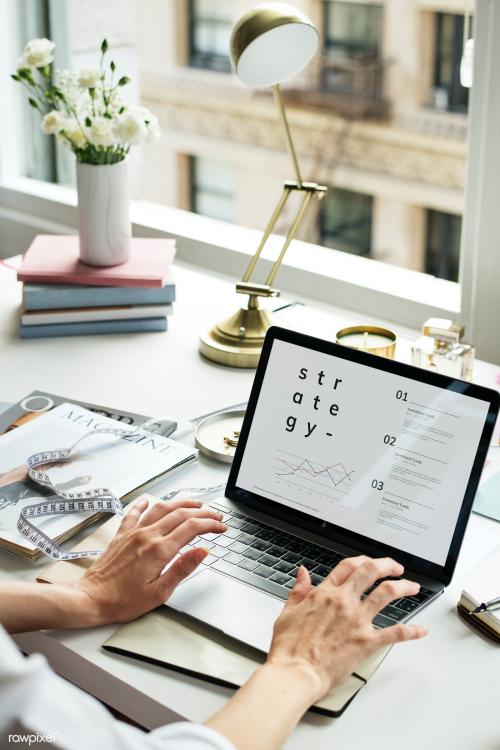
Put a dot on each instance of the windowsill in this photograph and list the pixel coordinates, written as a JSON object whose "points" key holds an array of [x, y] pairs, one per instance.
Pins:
{"points": [[364, 285]]}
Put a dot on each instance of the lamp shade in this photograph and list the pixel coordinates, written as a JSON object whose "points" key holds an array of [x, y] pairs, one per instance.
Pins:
{"points": [[271, 44]]}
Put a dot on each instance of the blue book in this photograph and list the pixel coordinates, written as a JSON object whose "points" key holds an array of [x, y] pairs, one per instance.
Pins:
{"points": [[141, 325], [63, 297]]}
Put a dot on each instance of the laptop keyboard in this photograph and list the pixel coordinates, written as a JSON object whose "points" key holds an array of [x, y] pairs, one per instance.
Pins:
{"points": [[268, 558]]}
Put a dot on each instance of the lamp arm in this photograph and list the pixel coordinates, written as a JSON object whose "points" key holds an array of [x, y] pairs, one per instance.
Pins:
{"points": [[291, 234], [269, 228], [281, 109]]}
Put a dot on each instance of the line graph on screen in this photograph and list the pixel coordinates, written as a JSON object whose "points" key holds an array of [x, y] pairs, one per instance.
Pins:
{"points": [[295, 469]]}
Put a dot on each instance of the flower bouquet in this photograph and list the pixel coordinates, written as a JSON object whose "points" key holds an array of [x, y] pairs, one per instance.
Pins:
{"points": [[87, 113]]}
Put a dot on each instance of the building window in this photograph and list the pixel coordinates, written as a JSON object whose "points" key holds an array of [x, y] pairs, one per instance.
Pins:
{"points": [[448, 93], [352, 35], [210, 23], [212, 189], [346, 221], [442, 252], [352, 29]]}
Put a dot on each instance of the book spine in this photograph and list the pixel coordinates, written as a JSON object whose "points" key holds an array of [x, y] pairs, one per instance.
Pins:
{"points": [[81, 329], [53, 297], [91, 279], [94, 314]]}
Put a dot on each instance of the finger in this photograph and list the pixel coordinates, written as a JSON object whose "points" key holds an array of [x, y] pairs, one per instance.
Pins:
{"points": [[345, 569], [160, 510], [169, 522], [398, 634], [186, 531], [301, 588], [180, 569], [132, 517], [371, 571], [387, 592]]}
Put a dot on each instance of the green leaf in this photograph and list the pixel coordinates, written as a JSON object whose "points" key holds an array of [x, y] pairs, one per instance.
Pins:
{"points": [[123, 81], [88, 122], [121, 110], [91, 92], [112, 66], [14, 77], [104, 46], [108, 115], [33, 103]]}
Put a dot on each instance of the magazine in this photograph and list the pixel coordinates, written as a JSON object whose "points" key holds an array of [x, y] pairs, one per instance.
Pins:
{"points": [[99, 462], [38, 402]]}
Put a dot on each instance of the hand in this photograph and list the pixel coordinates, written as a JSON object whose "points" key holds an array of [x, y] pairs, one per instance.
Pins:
{"points": [[127, 580], [326, 631]]}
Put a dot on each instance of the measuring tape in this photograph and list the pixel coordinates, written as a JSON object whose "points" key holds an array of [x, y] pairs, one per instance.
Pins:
{"points": [[99, 500]]}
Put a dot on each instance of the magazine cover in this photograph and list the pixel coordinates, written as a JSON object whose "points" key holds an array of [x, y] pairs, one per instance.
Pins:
{"points": [[38, 402], [121, 464]]}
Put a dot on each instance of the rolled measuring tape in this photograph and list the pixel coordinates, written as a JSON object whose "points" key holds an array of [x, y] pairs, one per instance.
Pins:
{"points": [[99, 500]]}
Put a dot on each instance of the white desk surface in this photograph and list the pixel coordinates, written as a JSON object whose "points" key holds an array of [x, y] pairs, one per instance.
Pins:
{"points": [[441, 692]]}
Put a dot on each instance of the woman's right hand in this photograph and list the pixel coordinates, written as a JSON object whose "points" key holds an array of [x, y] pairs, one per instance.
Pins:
{"points": [[326, 631]]}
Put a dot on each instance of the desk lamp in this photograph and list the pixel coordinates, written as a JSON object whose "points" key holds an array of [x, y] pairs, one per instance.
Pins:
{"points": [[269, 45]]}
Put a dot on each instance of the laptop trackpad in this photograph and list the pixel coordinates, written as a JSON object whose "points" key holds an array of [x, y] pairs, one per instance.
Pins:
{"points": [[228, 605]]}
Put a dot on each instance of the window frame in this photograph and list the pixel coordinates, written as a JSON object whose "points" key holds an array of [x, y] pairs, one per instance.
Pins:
{"points": [[369, 288]]}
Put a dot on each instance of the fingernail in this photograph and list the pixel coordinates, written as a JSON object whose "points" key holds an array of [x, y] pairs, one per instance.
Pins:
{"points": [[225, 527], [205, 549], [199, 503]]}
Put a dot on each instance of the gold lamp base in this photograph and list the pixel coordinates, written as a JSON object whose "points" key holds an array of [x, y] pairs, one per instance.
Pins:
{"points": [[237, 341]]}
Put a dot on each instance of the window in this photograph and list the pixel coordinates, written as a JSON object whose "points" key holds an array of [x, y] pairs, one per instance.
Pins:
{"points": [[448, 93], [412, 159], [352, 29], [346, 221], [40, 150], [210, 23], [351, 62], [212, 189], [442, 252]]}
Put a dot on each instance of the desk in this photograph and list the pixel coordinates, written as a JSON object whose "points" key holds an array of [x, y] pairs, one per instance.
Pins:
{"points": [[440, 692]]}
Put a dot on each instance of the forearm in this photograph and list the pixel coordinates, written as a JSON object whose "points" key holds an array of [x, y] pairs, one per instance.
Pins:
{"points": [[34, 606], [266, 709]]}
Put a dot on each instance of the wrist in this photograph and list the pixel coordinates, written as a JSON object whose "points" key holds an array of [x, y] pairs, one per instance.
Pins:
{"points": [[298, 676], [86, 609]]}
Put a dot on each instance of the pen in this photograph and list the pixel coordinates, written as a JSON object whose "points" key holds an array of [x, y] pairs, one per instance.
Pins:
{"points": [[487, 606]]}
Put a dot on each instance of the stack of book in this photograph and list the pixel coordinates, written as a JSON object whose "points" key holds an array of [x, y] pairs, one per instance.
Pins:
{"points": [[64, 297]]}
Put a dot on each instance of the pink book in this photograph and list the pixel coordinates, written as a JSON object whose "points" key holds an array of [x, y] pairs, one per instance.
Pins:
{"points": [[53, 259]]}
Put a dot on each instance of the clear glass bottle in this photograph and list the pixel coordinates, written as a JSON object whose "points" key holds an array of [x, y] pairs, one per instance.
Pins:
{"points": [[440, 348]]}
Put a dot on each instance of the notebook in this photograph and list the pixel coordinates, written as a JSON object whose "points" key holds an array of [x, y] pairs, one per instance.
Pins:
{"points": [[174, 641], [55, 259], [482, 585]]}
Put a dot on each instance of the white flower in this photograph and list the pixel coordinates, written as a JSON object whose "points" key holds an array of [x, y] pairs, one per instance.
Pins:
{"points": [[100, 132], [37, 53], [52, 122], [153, 127], [88, 77], [72, 132], [131, 128]]}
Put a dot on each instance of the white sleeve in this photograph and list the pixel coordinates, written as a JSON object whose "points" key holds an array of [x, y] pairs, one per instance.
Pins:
{"points": [[35, 701]]}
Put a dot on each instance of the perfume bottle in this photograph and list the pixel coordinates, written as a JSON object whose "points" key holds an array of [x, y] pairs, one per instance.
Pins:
{"points": [[440, 348]]}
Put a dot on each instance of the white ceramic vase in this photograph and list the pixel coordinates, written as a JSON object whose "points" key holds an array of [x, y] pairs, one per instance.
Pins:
{"points": [[103, 213]]}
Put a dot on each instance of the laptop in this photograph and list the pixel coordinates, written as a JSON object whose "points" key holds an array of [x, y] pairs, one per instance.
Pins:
{"points": [[341, 453]]}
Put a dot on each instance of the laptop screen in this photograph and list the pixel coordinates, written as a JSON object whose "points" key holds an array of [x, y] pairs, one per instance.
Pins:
{"points": [[382, 455]]}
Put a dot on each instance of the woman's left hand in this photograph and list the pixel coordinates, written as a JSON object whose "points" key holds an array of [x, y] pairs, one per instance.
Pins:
{"points": [[128, 579]]}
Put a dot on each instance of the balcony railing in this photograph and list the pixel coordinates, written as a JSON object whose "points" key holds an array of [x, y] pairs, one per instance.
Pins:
{"points": [[350, 87]]}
